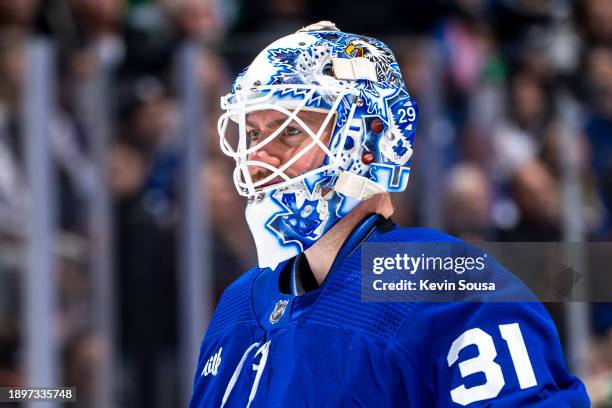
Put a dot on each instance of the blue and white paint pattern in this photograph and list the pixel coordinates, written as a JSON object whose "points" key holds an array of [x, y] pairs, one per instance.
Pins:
{"points": [[289, 220]]}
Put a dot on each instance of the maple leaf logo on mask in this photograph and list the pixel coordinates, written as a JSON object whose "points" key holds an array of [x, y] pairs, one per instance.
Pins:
{"points": [[297, 223]]}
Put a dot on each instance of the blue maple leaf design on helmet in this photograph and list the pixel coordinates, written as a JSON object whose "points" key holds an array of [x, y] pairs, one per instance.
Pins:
{"points": [[297, 223], [285, 59], [304, 219], [400, 149]]}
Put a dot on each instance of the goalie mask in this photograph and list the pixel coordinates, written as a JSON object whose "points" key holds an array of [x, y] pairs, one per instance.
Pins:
{"points": [[320, 121]]}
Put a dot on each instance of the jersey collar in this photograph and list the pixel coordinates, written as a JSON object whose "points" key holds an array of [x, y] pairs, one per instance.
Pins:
{"points": [[359, 234]]}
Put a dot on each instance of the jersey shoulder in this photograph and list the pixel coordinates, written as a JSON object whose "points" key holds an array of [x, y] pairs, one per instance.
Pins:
{"points": [[484, 335], [414, 234], [235, 305]]}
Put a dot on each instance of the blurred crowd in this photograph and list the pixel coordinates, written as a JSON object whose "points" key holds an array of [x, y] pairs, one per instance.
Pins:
{"points": [[524, 92]]}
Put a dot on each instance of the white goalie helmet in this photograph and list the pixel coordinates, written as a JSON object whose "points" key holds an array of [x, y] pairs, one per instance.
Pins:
{"points": [[345, 96]]}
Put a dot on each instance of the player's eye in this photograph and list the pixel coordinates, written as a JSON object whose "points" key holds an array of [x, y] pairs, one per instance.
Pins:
{"points": [[292, 131], [253, 135]]}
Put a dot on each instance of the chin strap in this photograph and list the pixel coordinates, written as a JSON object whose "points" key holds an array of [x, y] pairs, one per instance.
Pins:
{"points": [[359, 187]]}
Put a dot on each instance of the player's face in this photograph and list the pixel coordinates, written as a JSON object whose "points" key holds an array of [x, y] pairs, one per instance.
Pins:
{"points": [[287, 144]]}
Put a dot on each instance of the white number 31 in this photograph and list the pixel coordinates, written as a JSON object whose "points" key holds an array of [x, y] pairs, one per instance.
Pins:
{"points": [[484, 363]]}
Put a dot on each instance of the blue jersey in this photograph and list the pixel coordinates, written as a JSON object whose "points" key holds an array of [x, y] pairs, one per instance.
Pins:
{"points": [[327, 348]]}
